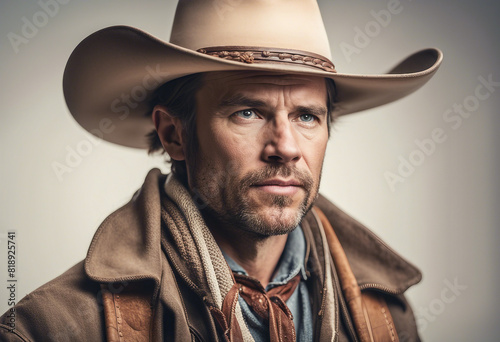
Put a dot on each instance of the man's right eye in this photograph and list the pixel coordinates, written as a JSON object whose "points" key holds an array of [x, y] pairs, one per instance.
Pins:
{"points": [[246, 114]]}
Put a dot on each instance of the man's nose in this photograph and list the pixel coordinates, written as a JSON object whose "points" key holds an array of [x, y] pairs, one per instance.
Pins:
{"points": [[281, 142]]}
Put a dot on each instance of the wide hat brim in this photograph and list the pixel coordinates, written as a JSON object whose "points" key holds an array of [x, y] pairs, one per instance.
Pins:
{"points": [[111, 75]]}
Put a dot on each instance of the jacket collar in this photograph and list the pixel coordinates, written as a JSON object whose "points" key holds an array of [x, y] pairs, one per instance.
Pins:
{"points": [[373, 263], [127, 245]]}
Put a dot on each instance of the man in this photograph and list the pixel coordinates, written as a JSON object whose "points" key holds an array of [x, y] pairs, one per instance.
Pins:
{"points": [[236, 243]]}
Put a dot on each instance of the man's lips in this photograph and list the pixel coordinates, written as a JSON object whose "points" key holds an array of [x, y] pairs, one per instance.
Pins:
{"points": [[279, 186]]}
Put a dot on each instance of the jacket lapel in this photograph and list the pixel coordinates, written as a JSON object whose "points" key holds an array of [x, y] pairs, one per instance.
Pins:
{"points": [[127, 245], [374, 264]]}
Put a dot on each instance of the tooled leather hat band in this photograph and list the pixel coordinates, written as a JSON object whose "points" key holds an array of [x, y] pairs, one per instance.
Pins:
{"points": [[251, 54]]}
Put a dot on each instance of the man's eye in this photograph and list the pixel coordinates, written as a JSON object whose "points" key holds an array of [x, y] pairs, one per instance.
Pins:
{"points": [[246, 114], [307, 118]]}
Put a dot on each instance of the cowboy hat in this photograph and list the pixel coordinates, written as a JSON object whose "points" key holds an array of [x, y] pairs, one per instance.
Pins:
{"points": [[111, 75]]}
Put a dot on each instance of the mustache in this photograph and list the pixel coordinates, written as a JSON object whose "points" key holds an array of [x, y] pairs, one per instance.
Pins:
{"points": [[271, 171]]}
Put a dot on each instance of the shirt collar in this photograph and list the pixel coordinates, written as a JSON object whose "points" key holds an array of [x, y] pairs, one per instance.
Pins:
{"points": [[291, 263]]}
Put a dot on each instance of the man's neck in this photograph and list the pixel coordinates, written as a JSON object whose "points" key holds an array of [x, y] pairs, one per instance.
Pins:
{"points": [[258, 255]]}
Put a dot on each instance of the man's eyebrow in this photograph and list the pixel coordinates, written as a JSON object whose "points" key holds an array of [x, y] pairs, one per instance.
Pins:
{"points": [[237, 100], [314, 110]]}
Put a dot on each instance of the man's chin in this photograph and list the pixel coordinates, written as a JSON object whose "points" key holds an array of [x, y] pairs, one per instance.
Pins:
{"points": [[272, 220], [276, 203]]}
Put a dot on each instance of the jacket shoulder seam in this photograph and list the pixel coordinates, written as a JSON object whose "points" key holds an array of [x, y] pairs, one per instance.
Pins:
{"points": [[9, 330]]}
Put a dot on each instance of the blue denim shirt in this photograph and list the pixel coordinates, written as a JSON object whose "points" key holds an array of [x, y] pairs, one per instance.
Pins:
{"points": [[292, 262]]}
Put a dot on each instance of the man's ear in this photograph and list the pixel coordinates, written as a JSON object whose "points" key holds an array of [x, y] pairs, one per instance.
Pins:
{"points": [[169, 130]]}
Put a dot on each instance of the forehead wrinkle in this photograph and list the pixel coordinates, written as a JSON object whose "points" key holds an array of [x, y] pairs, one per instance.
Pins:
{"points": [[261, 90], [238, 99], [284, 99], [305, 105]]}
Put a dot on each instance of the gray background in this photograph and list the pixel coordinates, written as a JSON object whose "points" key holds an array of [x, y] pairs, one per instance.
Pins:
{"points": [[443, 217]]}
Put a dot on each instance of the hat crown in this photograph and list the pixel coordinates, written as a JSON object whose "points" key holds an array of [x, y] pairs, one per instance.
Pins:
{"points": [[286, 24]]}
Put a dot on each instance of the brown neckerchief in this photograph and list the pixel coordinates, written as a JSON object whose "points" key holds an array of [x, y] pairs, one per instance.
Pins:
{"points": [[270, 305]]}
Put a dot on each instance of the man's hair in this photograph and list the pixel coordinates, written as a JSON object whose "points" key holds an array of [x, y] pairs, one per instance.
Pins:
{"points": [[179, 97]]}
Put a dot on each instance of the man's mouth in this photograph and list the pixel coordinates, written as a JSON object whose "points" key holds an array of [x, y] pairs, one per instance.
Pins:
{"points": [[278, 186]]}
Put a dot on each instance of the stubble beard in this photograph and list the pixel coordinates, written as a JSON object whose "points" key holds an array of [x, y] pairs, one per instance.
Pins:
{"points": [[227, 200]]}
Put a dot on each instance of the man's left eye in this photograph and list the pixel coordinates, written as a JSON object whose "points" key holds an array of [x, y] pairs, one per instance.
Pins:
{"points": [[246, 114], [307, 118]]}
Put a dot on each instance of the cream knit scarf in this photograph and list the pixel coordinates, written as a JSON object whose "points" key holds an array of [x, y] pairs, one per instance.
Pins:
{"points": [[198, 246]]}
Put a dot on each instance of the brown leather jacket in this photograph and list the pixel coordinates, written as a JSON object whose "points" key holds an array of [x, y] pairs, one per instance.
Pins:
{"points": [[126, 253]]}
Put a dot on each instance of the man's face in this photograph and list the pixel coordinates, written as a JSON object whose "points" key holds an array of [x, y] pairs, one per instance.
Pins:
{"points": [[262, 139]]}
